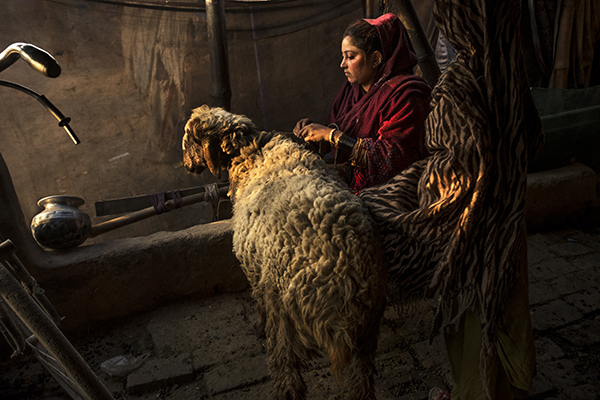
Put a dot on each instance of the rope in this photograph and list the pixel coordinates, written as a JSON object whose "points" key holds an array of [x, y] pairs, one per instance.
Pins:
{"points": [[158, 202], [211, 194], [176, 196]]}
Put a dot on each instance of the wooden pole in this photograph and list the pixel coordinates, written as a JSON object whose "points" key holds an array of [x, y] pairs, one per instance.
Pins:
{"points": [[217, 42], [560, 74], [371, 9], [427, 62], [148, 212]]}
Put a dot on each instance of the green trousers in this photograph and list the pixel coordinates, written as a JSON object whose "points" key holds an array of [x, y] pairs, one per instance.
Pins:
{"points": [[514, 366]]}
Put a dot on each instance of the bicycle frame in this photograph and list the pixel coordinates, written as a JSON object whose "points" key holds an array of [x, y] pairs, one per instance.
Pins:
{"points": [[27, 319], [63, 358]]}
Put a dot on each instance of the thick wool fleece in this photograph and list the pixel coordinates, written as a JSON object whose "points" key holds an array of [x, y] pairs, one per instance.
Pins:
{"points": [[307, 245]]}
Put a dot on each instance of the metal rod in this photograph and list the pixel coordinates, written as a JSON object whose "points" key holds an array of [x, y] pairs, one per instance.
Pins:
{"points": [[63, 121]]}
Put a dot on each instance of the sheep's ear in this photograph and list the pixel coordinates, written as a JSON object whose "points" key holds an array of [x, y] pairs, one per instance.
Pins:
{"points": [[211, 149]]}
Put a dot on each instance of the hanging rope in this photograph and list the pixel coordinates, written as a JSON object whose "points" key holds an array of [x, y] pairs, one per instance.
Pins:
{"points": [[211, 195], [158, 202]]}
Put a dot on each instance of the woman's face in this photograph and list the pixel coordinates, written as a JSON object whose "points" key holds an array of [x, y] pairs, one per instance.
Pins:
{"points": [[359, 68]]}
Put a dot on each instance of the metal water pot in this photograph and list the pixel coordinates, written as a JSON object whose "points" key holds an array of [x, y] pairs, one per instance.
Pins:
{"points": [[61, 225]]}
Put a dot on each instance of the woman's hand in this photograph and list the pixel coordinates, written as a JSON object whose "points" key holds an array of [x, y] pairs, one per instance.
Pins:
{"points": [[300, 125], [311, 132]]}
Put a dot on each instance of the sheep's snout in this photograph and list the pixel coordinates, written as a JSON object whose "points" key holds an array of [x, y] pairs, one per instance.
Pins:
{"points": [[193, 163], [193, 156]]}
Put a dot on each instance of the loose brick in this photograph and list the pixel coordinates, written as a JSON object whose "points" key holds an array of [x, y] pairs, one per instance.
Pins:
{"points": [[586, 301], [542, 292], [553, 315], [551, 269], [236, 374], [547, 350], [157, 373], [585, 334]]}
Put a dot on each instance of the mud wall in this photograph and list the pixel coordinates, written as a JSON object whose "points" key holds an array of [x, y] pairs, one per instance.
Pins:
{"points": [[131, 75]]}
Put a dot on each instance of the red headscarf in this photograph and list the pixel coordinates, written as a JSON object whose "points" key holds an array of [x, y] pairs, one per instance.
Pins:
{"points": [[390, 116]]}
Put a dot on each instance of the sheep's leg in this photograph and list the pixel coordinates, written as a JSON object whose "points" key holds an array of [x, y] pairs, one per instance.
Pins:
{"points": [[284, 362], [362, 364], [261, 313], [261, 320], [362, 376]]}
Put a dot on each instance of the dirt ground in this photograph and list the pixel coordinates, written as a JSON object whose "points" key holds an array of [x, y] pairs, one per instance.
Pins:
{"points": [[227, 337]]}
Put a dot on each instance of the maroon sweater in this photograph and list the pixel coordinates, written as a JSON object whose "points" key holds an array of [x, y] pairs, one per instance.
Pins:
{"points": [[390, 116]]}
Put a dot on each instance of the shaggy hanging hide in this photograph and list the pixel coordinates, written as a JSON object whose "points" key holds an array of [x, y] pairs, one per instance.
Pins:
{"points": [[452, 222]]}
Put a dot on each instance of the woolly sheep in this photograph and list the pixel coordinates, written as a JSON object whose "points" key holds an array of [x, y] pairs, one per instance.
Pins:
{"points": [[306, 244]]}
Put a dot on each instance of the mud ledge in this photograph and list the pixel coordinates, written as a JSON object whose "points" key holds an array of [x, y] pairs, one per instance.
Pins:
{"points": [[562, 196], [118, 278]]}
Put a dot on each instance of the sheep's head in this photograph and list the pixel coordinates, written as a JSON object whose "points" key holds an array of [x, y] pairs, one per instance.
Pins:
{"points": [[213, 136]]}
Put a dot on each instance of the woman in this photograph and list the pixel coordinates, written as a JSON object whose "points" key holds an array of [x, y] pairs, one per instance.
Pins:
{"points": [[377, 119]]}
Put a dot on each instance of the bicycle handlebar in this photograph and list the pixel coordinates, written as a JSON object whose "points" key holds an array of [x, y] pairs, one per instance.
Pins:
{"points": [[38, 59], [43, 62], [63, 121]]}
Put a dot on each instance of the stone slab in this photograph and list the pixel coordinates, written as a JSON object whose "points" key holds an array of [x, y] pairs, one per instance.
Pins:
{"points": [[584, 334], [260, 391], [401, 362], [589, 262], [411, 385], [205, 326], [551, 269], [541, 386], [561, 373], [586, 391], [586, 301], [537, 249], [192, 390], [541, 292], [589, 237], [569, 248], [546, 350], [572, 283], [553, 315], [160, 372], [236, 374]]}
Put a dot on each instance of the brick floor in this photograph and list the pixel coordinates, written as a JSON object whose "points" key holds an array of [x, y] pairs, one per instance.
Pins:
{"points": [[207, 349]]}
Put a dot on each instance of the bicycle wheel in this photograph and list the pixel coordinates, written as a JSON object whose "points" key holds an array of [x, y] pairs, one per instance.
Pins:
{"points": [[60, 355]]}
